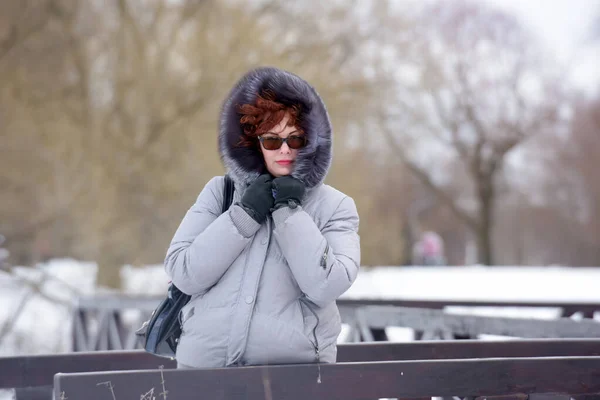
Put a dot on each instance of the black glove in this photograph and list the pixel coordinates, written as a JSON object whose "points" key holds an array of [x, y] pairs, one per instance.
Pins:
{"points": [[288, 191], [258, 198]]}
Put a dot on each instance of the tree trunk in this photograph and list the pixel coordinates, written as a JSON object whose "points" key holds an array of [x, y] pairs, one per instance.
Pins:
{"points": [[485, 250], [484, 246], [109, 273]]}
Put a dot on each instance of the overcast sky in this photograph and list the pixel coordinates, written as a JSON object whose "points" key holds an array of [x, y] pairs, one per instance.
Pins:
{"points": [[565, 26]]}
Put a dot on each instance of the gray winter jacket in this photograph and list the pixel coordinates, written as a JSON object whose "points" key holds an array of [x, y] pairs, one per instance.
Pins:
{"points": [[265, 294]]}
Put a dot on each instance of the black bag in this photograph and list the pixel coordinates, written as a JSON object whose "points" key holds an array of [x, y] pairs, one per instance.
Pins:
{"points": [[162, 331]]}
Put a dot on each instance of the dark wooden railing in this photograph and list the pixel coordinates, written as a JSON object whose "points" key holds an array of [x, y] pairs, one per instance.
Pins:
{"points": [[437, 324], [113, 332], [517, 378], [32, 376]]}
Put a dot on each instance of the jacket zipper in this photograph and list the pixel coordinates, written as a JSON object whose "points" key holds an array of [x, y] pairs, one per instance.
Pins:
{"points": [[324, 257], [316, 345]]}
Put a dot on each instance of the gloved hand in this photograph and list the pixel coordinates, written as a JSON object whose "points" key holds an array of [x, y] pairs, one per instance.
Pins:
{"points": [[288, 191], [258, 198]]}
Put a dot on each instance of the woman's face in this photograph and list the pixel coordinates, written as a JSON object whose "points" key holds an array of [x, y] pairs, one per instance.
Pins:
{"points": [[280, 162]]}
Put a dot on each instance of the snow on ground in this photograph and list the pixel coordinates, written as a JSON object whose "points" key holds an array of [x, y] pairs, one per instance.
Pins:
{"points": [[502, 283], [45, 294], [151, 279]]}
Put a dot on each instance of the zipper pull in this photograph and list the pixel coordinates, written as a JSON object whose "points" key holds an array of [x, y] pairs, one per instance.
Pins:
{"points": [[324, 258], [318, 366]]}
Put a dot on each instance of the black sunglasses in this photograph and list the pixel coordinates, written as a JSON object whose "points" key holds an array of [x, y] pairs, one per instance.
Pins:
{"points": [[275, 142]]}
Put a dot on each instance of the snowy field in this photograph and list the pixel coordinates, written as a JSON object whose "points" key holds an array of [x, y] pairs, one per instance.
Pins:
{"points": [[45, 294]]}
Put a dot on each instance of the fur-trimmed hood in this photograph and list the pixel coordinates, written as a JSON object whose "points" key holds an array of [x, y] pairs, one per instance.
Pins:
{"points": [[243, 164]]}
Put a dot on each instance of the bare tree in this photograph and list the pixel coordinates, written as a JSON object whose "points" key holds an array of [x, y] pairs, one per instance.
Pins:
{"points": [[469, 86], [111, 112], [35, 167], [575, 191]]}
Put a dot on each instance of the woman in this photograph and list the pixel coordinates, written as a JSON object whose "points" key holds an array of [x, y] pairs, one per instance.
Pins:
{"points": [[264, 276]]}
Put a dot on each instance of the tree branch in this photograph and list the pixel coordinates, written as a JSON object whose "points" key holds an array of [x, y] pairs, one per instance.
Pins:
{"points": [[160, 127], [12, 320], [452, 126], [442, 194], [35, 288], [128, 18], [425, 178], [466, 99], [19, 34]]}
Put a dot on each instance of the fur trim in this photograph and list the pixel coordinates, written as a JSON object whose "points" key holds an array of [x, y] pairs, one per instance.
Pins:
{"points": [[246, 164]]}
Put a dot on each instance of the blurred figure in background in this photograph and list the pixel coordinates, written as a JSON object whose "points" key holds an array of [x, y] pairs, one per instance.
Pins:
{"points": [[429, 250]]}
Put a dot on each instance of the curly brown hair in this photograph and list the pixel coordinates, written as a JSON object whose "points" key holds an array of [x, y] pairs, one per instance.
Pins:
{"points": [[257, 119]]}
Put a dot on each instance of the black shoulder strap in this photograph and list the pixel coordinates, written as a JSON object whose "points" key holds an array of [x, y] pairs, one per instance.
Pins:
{"points": [[228, 190]]}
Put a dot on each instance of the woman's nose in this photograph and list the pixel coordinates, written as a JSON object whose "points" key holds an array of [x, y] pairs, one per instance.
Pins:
{"points": [[285, 149]]}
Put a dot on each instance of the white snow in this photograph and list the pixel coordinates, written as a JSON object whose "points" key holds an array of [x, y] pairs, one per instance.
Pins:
{"points": [[502, 283]]}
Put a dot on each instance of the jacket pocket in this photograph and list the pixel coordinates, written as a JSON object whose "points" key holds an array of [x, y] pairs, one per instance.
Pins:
{"points": [[186, 313], [204, 340], [310, 322], [324, 323], [273, 341]]}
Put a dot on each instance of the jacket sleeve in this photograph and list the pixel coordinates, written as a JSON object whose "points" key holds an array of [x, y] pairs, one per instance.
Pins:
{"points": [[324, 262], [207, 242]]}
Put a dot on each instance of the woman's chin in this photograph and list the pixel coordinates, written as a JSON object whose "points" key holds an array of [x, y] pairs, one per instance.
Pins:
{"points": [[281, 171]]}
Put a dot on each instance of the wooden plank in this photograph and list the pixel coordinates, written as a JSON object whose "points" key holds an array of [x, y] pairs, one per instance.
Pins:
{"points": [[80, 332], [114, 335], [471, 325], [350, 381], [149, 303], [34, 393], [25, 371], [465, 349], [31, 371], [441, 303], [111, 302], [93, 306]]}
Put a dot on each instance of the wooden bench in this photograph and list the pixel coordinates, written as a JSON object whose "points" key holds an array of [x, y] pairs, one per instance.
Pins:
{"points": [[514, 378], [32, 376]]}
